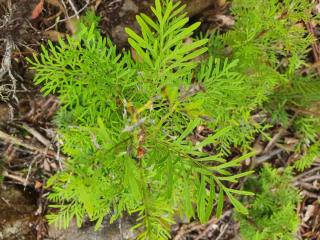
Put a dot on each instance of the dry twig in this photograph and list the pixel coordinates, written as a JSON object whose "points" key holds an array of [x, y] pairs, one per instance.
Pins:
{"points": [[38, 136], [16, 141], [274, 140], [16, 178], [68, 18], [266, 157], [74, 8]]}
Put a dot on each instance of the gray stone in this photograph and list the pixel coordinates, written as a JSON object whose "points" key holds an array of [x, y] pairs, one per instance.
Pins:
{"points": [[17, 217], [128, 5], [107, 232]]}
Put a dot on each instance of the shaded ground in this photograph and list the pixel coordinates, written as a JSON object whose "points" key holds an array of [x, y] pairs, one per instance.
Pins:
{"points": [[30, 152], [17, 209]]}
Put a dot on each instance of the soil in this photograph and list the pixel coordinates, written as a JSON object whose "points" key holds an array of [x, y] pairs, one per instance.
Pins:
{"points": [[17, 208]]}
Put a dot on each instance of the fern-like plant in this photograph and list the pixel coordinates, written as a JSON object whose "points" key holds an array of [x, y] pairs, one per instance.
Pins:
{"points": [[126, 125], [271, 41], [308, 129], [272, 44], [272, 215]]}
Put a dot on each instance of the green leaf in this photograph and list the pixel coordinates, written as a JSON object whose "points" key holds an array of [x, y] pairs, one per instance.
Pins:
{"points": [[145, 28], [178, 25], [213, 158], [191, 46], [220, 203], [201, 200], [130, 178], [238, 206], [234, 162], [144, 55], [234, 178], [183, 35], [241, 192], [212, 139], [188, 208], [139, 40], [170, 183], [192, 125], [150, 22], [211, 199]]}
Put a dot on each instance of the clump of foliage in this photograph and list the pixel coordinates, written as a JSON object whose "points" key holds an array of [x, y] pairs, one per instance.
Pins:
{"points": [[271, 41], [125, 125], [272, 215], [308, 129]]}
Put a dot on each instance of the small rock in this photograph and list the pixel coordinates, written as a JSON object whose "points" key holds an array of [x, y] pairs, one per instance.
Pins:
{"points": [[16, 214], [119, 36], [128, 5], [106, 232]]}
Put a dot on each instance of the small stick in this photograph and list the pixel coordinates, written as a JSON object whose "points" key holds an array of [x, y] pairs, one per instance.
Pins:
{"points": [[68, 18], [74, 8], [263, 158], [6, 201], [28, 174], [16, 178], [310, 194], [315, 45], [307, 173], [274, 140], [16, 141], [305, 111], [224, 228], [311, 178], [37, 135]]}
